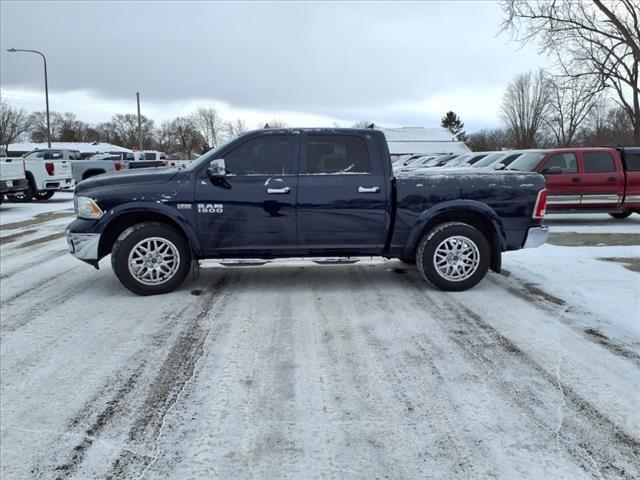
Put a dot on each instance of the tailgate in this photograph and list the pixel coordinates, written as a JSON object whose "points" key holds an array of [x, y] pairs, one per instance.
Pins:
{"points": [[11, 169], [62, 168]]}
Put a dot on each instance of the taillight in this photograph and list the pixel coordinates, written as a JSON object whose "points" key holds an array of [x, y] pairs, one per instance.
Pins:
{"points": [[163, 164], [541, 205], [118, 166], [50, 168]]}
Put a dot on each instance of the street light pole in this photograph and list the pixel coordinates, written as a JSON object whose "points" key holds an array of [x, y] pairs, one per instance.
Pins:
{"points": [[46, 86], [139, 123]]}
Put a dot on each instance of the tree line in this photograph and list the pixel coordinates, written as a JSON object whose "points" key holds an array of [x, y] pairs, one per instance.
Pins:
{"points": [[203, 129]]}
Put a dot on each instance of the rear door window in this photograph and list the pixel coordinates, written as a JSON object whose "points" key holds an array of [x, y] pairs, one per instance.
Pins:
{"points": [[632, 161], [337, 154], [598, 162], [566, 161]]}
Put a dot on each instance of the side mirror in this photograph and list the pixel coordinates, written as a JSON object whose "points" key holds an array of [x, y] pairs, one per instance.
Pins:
{"points": [[552, 170], [216, 169], [499, 166]]}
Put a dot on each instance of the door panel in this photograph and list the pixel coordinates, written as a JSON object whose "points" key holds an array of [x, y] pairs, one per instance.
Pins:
{"points": [[564, 189], [251, 211], [602, 180], [342, 196]]}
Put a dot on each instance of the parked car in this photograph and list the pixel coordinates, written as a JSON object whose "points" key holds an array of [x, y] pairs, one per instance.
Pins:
{"points": [[12, 175], [47, 171], [148, 159], [255, 198], [587, 179], [498, 160], [98, 164]]}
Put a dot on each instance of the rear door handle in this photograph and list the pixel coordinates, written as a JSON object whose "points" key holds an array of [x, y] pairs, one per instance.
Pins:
{"points": [[575, 180], [612, 179], [368, 189], [281, 191]]}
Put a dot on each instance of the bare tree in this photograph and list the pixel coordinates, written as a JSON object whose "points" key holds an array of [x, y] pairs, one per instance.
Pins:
{"points": [[524, 106], [571, 100], [489, 140], [598, 39], [235, 127], [13, 124], [209, 124], [126, 129], [187, 135], [276, 123]]}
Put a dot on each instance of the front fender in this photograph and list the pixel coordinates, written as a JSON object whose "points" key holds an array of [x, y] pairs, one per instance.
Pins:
{"points": [[450, 209], [144, 208]]}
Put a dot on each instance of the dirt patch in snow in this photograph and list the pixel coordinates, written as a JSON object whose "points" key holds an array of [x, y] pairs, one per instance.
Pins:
{"points": [[37, 219], [598, 337], [45, 239], [14, 236], [569, 239], [630, 263]]}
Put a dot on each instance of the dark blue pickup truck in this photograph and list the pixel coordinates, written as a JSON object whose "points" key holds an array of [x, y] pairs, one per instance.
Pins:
{"points": [[304, 193]]}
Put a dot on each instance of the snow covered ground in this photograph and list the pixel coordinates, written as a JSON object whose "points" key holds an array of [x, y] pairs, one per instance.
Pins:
{"points": [[307, 371]]}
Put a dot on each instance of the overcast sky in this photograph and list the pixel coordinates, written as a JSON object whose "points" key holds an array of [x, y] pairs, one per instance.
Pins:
{"points": [[309, 63]]}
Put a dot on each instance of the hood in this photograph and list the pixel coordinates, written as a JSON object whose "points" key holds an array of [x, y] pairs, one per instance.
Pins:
{"points": [[125, 177]]}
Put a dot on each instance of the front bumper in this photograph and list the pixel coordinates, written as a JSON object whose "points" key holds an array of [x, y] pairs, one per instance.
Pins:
{"points": [[536, 236], [9, 186], [84, 246]]}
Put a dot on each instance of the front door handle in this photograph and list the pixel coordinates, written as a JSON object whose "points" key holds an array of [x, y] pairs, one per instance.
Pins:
{"points": [[281, 191], [612, 179], [575, 180], [368, 189]]}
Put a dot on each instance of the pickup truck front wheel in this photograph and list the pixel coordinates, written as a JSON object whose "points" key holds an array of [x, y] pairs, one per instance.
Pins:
{"points": [[623, 214], [151, 258], [453, 256]]}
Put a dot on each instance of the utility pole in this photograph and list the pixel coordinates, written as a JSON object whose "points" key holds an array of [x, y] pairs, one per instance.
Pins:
{"points": [[46, 86], [139, 123]]}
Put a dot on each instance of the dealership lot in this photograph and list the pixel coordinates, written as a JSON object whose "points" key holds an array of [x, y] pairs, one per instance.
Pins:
{"points": [[307, 371]]}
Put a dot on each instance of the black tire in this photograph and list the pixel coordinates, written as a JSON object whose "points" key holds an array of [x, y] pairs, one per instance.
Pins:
{"points": [[624, 214], [432, 240], [128, 240], [25, 196], [42, 195]]}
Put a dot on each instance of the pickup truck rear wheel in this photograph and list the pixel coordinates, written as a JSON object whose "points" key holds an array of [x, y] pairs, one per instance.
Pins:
{"points": [[43, 194], [624, 214], [151, 258], [23, 196], [453, 256]]}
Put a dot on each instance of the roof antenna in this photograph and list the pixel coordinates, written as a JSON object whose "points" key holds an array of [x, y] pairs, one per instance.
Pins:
{"points": [[266, 125], [372, 126]]}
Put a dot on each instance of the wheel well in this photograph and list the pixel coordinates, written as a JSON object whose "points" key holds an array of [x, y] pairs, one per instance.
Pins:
{"points": [[91, 173], [121, 223], [31, 180], [476, 220]]}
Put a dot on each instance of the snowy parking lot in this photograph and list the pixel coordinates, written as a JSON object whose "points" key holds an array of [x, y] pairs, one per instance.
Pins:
{"points": [[298, 370]]}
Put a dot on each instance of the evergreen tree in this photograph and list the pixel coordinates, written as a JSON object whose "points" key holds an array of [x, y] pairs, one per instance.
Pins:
{"points": [[452, 122]]}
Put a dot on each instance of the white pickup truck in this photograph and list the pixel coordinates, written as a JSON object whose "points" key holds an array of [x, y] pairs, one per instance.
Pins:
{"points": [[12, 175], [47, 171]]}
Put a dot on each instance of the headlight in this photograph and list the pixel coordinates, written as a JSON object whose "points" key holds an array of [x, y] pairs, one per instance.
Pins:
{"points": [[86, 208]]}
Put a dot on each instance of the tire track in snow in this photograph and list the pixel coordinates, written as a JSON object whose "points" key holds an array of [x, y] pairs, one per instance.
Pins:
{"points": [[533, 293], [587, 435], [175, 373]]}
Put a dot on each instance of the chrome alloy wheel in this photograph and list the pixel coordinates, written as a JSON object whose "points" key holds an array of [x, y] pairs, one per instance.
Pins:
{"points": [[456, 258], [153, 260]]}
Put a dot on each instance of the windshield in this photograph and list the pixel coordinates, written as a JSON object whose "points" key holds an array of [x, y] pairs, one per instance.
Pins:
{"points": [[489, 159], [210, 155], [527, 161]]}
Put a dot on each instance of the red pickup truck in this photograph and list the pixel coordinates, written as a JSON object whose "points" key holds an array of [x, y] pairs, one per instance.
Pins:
{"points": [[587, 179]]}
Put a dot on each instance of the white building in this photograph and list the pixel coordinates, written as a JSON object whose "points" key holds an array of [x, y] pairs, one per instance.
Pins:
{"points": [[427, 141]]}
